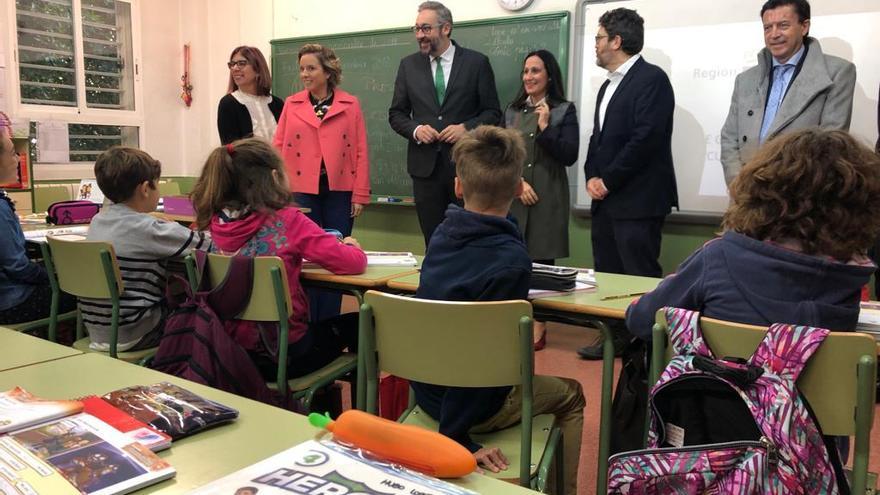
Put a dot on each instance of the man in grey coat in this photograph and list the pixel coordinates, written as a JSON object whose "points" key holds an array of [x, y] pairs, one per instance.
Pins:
{"points": [[793, 86]]}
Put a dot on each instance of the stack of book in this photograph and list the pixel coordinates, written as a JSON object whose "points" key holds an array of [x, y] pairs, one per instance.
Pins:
{"points": [[869, 319]]}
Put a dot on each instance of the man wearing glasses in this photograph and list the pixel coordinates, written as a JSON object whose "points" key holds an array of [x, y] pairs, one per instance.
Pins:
{"points": [[441, 92]]}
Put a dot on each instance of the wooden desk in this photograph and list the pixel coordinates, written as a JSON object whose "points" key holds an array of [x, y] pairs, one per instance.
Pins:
{"points": [[583, 308], [20, 349], [375, 277], [259, 432]]}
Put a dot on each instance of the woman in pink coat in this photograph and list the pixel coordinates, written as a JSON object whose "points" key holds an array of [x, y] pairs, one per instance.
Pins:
{"points": [[323, 140]]}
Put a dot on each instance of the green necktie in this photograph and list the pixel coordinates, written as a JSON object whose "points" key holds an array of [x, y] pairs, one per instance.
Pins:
{"points": [[439, 83]]}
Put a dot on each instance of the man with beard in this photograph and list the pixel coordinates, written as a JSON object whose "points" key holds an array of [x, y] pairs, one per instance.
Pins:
{"points": [[441, 92]]}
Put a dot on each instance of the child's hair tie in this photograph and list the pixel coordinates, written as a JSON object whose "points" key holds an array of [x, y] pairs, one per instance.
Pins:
{"points": [[230, 148]]}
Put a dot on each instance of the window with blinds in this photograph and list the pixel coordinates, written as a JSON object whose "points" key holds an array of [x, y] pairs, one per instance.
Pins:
{"points": [[79, 53], [65, 59]]}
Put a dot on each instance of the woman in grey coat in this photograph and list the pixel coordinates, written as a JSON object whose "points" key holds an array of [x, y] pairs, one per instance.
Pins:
{"points": [[548, 123]]}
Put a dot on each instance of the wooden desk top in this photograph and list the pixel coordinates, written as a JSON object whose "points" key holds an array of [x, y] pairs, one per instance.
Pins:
{"points": [[259, 432], [20, 350], [374, 277], [585, 303]]}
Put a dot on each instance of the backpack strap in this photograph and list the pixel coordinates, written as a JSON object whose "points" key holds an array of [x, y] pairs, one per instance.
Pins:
{"points": [[786, 349], [229, 298], [684, 331]]}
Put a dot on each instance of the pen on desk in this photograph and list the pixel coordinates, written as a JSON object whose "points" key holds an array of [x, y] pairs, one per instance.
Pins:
{"points": [[388, 199], [622, 296]]}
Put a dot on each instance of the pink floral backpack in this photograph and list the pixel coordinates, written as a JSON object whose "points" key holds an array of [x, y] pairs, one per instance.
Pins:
{"points": [[731, 426]]}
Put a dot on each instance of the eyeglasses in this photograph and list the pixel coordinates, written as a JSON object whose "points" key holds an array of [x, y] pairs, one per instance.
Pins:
{"points": [[599, 37], [236, 63], [425, 28]]}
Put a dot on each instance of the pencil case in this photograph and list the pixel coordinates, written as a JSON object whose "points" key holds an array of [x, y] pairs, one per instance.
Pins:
{"points": [[72, 212], [549, 277]]}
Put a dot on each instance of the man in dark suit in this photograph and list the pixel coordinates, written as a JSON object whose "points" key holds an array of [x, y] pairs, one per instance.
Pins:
{"points": [[629, 172], [441, 92]]}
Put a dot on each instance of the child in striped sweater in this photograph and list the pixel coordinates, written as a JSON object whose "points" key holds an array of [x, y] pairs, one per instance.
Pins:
{"points": [[143, 244]]}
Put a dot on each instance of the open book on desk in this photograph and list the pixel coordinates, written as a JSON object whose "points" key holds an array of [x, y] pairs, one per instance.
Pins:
{"points": [[72, 454], [73, 232], [389, 258]]}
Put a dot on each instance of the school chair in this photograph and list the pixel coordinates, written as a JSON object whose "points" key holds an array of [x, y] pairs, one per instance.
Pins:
{"points": [[270, 301], [838, 381], [463, 344], [52, 320], [89, 269], [45, 196], [168, 188]]}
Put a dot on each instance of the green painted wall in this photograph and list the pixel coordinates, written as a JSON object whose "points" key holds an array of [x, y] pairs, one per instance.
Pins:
{"points": [[395, 227]]}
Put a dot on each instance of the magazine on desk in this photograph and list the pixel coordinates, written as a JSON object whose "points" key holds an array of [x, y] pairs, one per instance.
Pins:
{"points": [[72, 454], [328, 467]]}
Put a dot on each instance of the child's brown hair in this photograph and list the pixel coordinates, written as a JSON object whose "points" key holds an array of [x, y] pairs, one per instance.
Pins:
{"points": [[120, 170], [489, 164], [246, 173]]}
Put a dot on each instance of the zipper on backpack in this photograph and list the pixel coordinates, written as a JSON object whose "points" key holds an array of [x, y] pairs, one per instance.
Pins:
{"points": [[772, 459], [764, 443]]}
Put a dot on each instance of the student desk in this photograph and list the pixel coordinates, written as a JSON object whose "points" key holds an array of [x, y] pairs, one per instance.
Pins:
{"points": [[583, 308], [20, 349], [259, 432], [375, 277]]}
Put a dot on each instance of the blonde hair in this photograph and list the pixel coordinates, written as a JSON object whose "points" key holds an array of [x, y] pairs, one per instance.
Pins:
{"points": [[489, 164], [245, 173], [328, 59]]}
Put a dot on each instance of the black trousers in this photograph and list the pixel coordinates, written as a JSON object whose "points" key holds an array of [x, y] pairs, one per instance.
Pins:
{"points": [[433, 195], [627, 246]]}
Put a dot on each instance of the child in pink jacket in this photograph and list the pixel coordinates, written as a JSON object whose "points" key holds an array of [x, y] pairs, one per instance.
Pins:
{"points": [[243, 198]]}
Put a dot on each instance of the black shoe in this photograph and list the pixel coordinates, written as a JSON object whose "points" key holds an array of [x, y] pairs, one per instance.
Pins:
{"points": [[590, 352], [594, 352]]}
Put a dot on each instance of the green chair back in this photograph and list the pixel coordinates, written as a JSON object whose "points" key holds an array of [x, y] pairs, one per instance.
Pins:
{"points": [[169, 189], [463, 344], [45, 196], [263, 304], [79, 266], [270, 301], [838, 381]]}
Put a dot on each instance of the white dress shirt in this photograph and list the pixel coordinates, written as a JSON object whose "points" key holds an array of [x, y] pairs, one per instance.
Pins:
{"points": [[615, 78], [445, 59]]}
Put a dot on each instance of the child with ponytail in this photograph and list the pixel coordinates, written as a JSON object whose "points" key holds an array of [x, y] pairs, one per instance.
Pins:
{"points": [[243, 199]]}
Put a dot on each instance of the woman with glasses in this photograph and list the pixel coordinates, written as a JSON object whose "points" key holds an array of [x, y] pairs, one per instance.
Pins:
{"points": [[323, 139], [249, 109], [548, 124]]}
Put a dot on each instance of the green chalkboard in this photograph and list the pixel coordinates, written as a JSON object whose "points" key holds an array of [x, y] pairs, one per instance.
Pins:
{"points": [[369, 67]]}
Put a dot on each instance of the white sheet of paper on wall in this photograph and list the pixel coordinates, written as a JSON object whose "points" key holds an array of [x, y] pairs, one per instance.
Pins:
{"points": [[53, 142]]}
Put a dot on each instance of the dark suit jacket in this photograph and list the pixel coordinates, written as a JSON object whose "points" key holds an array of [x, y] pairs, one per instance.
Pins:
{"points": [[471, 99], [633, 152]]}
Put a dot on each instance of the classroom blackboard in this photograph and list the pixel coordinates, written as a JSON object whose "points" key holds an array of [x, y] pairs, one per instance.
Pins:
{"points": [[369, 66]]}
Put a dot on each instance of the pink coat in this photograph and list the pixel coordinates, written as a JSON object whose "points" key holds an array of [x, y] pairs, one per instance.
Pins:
{"points": [[340, 139]]}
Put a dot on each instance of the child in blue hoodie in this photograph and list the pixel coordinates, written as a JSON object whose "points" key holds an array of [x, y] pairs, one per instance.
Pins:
{"points": [[803, 214], [477, 254]]}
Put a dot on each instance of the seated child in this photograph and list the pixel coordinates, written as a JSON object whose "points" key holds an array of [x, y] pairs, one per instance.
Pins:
{"points": [[478, 254], [25, 294], [143, 245], [243, 198], [803, 213]]}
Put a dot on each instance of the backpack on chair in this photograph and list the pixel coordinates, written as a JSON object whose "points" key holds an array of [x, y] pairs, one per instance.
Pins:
{"points": [[195, 344], [731, 426]]}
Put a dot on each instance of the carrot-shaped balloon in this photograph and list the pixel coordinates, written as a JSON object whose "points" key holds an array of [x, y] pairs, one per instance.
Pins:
{"points": [[417, 448]]}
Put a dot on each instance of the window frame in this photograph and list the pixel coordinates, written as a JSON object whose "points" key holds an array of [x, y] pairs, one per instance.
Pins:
{"points": [[81, 113]]}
